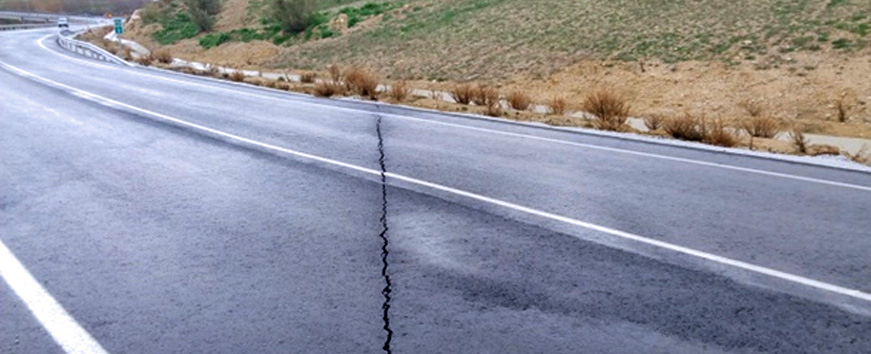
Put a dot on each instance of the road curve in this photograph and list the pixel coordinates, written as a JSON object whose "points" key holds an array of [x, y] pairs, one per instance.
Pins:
{"points": [[168, 213]]}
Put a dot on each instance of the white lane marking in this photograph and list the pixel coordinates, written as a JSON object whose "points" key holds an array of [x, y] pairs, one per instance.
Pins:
{"points": [[503, 133], [392, 176], [59, 324]]}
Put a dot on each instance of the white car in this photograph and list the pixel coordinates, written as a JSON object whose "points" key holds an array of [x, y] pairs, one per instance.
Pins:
{"points": [[63, 22]]}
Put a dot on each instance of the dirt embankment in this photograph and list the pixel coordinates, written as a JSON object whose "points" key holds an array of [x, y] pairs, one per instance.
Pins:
{"points": [[800, 87]]}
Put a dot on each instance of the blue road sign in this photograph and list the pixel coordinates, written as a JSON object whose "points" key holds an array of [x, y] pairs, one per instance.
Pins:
{"points": [[119, 25]]}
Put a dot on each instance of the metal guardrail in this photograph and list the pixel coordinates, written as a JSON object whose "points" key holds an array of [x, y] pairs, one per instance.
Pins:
{"points": [[25, 26], [30, 16], [87, 49]]}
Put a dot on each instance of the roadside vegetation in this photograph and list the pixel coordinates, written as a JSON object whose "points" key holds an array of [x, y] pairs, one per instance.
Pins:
{"points": [[180, 19], [298, 21], [472, 53], [546, 35]]}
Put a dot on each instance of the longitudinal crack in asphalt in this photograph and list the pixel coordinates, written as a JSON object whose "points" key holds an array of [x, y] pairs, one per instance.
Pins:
{"points": [[385, 243]]}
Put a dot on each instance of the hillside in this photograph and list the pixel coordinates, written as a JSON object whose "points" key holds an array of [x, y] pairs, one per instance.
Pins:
{"points": [[455, 39], [797, 57], [458, 39]]}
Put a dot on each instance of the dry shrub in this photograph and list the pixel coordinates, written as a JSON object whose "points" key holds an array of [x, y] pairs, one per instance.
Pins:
{"points": [[145, 60], [336, 73], [125, 53], [362, 82], [308, 77], [719, 134], [685, 127], [215, 71], [399, 91], [843, 109], [185, 70], [799, 140], [654, 121], [753, 107], [494, 109], [488, 97], [557, 105], [762, 126], [237, 75], [611, 110], [822, 150], [863, 156], [519, 100], [462, 93], [485, 95], [283, 85], [163, 56], [330, 88]]}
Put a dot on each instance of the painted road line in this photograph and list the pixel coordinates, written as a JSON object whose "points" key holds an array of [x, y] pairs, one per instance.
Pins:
{"points": [[502, 133], [812, 283], [62, 327]]}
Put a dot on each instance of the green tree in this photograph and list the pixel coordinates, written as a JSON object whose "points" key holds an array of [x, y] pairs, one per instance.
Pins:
{"points": [[293, 16], [202, 12]]}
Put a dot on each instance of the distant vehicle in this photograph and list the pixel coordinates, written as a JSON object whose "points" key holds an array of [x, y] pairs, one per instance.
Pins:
{"points": [[63, 22]]}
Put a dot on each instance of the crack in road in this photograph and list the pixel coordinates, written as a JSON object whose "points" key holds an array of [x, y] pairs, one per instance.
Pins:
{"points": [[385, 243]]}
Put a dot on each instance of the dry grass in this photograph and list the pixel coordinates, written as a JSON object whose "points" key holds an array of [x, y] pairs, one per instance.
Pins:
{"points": [[762, 126], [362, 82], [330, 88], [336, 73], [685, 127], [163, 56], [124, 53], [399, 91], [753, 108], [799, 140], [145, 60], [519, 100], [557, 105], [488, 97], [654, 121], [493, 108], [462, 93], [485, 95], [215, 71], [843, 109], [237, 75], [863, 156], [719, 134], [308, 77], [610, 110]]}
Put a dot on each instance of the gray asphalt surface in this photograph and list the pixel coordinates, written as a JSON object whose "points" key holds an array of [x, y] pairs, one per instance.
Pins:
{"points": [[158, 238]]}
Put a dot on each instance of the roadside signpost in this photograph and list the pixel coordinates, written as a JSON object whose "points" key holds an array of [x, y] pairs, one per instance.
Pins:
{"points": [[119, 25], [119, 29]]}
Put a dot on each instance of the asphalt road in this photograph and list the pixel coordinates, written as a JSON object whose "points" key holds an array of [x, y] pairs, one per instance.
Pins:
{"points": [[172, 214]]}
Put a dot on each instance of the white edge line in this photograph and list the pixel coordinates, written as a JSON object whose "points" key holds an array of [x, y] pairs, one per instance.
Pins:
{"points": [[62, 327], [504, 133], [613, 232]]}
